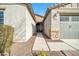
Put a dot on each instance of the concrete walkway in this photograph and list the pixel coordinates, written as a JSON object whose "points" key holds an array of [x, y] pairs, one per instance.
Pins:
{"points": [[58, 46], [40, 43], [72, 42], [52, 47]]}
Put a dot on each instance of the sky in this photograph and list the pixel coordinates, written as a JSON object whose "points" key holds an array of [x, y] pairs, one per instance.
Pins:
{"points": [[40, 8]]}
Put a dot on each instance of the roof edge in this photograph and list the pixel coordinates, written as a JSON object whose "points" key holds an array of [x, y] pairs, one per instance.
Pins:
{"points": [[31, 11], [50, 8], [39, 15], [58, 5], [47, 13]]}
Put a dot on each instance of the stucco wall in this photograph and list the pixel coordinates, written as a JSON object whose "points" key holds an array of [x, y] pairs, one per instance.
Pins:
{"points": [[39, 18], [55, 25], [52, 25], [69, 29], [30, 25], [47, 25], [19, 17], [55, 20]]}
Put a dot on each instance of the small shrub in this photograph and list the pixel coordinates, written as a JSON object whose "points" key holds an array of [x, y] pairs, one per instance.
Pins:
{"points": [[41, 53], [6, 38]]}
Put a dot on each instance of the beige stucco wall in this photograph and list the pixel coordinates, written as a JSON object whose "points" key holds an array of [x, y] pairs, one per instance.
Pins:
{"points": [[47, 25], [52, 25], [39, 18], [19, 17], [56, 31], [55, 25], [30, 25], [63, 32]]}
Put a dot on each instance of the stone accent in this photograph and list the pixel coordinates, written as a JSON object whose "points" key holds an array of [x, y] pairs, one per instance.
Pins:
{"points": [[55, 28], [55, 35]]}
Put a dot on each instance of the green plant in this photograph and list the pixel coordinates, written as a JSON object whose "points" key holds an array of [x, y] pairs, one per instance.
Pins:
{"points": [[42, 53], [6, 37]]}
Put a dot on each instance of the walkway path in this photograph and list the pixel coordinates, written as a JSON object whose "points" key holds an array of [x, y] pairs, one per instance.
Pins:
{"points": [[40, 43], [72, 42], [54, 48]]}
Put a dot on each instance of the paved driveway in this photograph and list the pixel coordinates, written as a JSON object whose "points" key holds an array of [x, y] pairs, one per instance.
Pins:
{"points": [[53, 48], [72, 42], [58, 46], [40, 43]]}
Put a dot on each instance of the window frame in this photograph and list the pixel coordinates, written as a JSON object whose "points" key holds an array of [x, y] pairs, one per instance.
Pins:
{"points": [[76, 19], [77, 5], [2, 21], [64, 19]]}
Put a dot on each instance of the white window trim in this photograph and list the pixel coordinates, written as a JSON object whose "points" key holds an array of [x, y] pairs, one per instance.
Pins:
{"points": [[64, 21], [70, 20]]}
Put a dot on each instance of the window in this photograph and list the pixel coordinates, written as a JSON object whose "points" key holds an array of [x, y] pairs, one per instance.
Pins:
{"points": [[64, 18], [78, 5], [75, 18], [1, 17], [74, 5]]}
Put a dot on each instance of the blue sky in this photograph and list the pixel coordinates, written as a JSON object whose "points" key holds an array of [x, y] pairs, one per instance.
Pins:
{"points": [[40, 8]]}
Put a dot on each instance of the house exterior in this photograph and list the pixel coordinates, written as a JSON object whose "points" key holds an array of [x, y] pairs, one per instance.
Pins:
{"points": [[39, 22], [62, 21], [20, 16], [39, 18]]}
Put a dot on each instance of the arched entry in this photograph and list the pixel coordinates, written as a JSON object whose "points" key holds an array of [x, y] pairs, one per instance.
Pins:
{"points": [[39, 27]]}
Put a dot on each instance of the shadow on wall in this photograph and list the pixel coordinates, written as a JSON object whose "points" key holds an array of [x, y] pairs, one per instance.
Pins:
{"points": [[33, 29], [39, 27]]}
